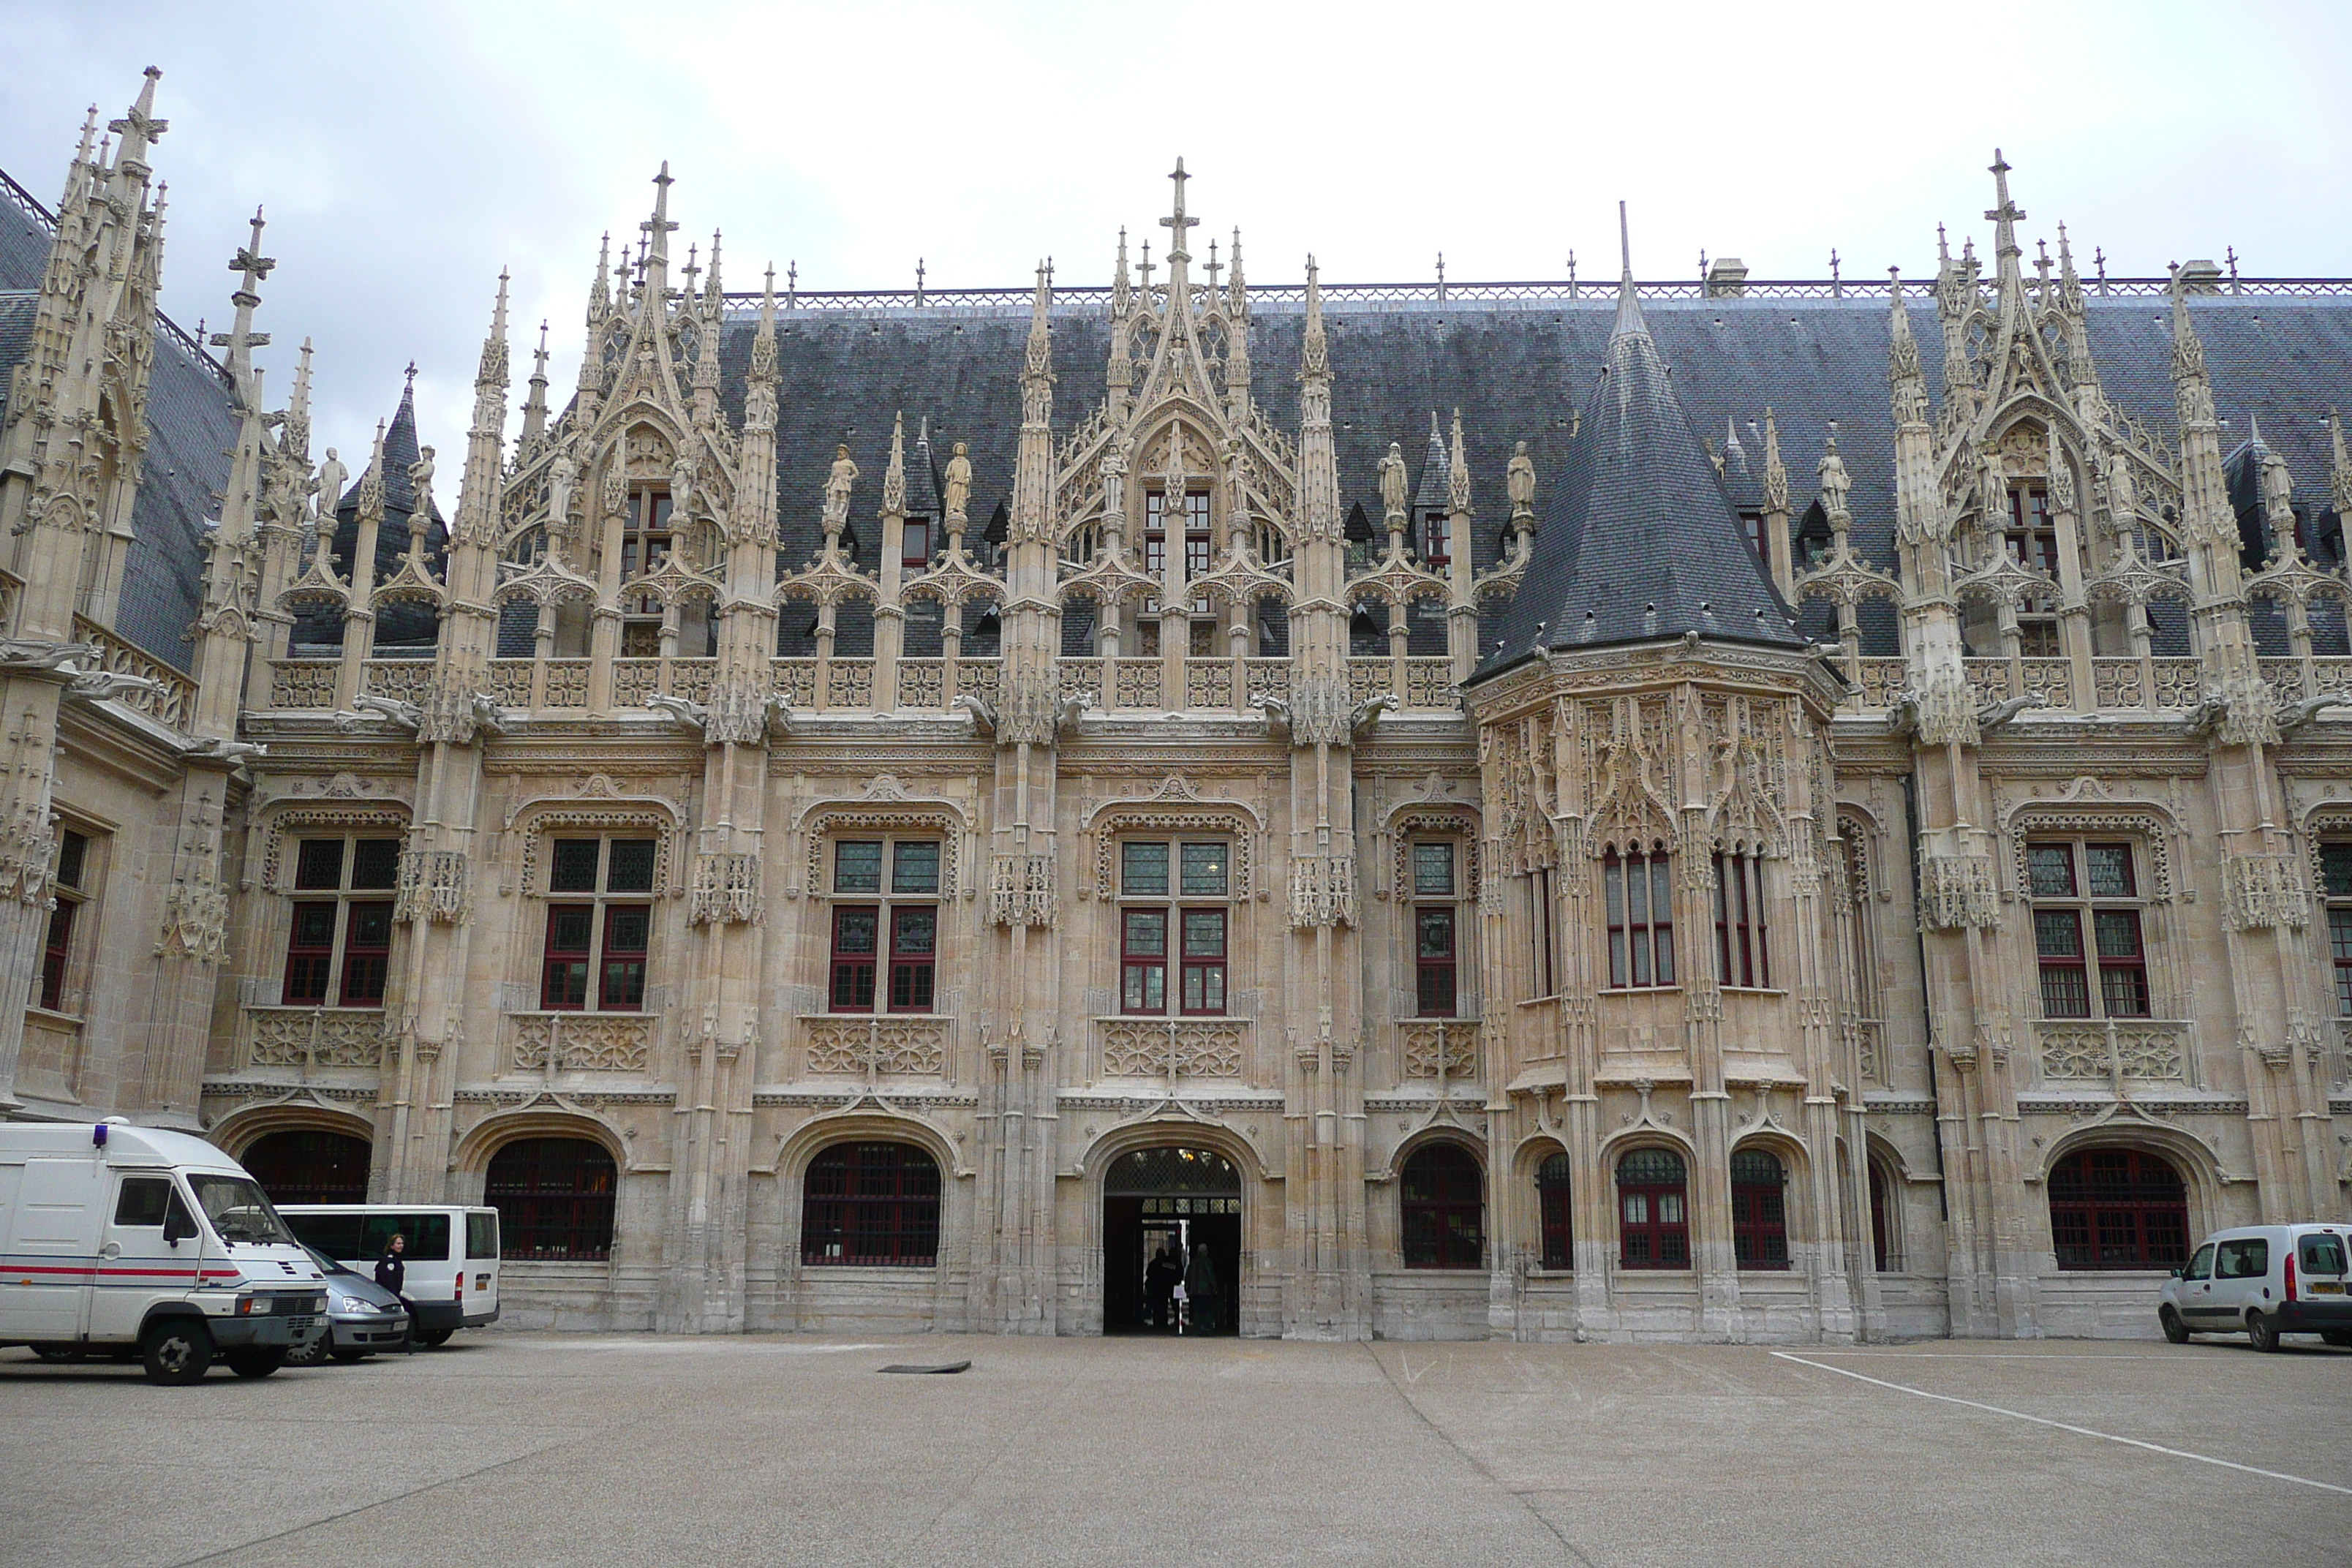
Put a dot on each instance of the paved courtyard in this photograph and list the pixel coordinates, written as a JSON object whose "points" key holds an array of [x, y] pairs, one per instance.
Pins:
{"points": [[563, 1449]]}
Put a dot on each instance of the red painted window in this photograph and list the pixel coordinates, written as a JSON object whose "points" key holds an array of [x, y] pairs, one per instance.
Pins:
{"points": [[54, 954], [2117, 1208], [1652, 1210], [1204, 961], [914, 943], [1640, 911], [856, 932], [1759, 1224], [367, 952], [914, 546], [310, 954], [1742, 956], [570, 932], [554, 1198], [871, 1204], [2335, 880], [1143, 961], [1551, 1197], [1442, 1194], [2102, 900], [1433, 962], [67, 892], [1436, 542], [621, 985]]}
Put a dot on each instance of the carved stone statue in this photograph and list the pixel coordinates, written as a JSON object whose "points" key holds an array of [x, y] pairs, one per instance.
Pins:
{"points": [[1392, 481], [957, 493], [420, 482], [1519, 479], [563, 478], [839, 482], [333, 476]]}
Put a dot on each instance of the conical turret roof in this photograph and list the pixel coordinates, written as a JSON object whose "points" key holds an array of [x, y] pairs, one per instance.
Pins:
{"points": [[1640, 543]]}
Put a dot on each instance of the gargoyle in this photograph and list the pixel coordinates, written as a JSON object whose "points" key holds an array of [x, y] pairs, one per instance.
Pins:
{"points": [[100, 685], [982, 712], [694, 715], [19, 655], [391, 710], [227, 751], [2295, 715], [2001, 712], [1276, 711], [1367, 713]]}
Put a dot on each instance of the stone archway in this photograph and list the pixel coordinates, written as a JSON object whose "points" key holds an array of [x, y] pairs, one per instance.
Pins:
{"points": [[1182, 1195]]}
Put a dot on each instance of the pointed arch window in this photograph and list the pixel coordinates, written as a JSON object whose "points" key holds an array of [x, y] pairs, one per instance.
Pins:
{"points": [[1639, 904], [1760, 1220], [1652, 1210]]}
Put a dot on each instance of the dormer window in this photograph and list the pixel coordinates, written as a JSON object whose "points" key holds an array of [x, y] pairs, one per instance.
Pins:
{"points": [[1436, 546], [915, 546]]}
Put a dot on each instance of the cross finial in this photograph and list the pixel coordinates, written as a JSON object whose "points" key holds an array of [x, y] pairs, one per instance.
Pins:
{"points": [[412, 377], [919, 279], [1214, 267], [2005, 213], [1624, 241], [1176, 222], [249, 259], [690, 271], [1146, 267]]}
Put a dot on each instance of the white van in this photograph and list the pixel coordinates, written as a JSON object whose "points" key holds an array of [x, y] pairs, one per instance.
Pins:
{"points": [[2262, 1281], [451, 1254], [116, 1238]]}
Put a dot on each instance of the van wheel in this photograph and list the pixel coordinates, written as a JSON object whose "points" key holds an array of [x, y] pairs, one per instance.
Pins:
{"points": [[2261, 1334], [255, 1363], [434, 1339], [2174, 1329], [177, 1351]]}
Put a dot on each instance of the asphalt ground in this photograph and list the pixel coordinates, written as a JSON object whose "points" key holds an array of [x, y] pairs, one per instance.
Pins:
{"points": [[519, 1448]]}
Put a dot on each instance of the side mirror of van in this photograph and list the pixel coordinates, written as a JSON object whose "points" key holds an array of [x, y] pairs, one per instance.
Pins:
{"points": [[2179, 1269], [177, 1226]]}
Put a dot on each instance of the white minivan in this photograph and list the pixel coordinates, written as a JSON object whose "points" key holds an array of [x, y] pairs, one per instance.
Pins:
{"points": [[451, 1254], [2262, 1281], [116, 1239]]}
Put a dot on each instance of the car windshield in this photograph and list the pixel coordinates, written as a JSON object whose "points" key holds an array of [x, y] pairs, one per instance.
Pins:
{"points": [[327, 1265], [238, 1211]]}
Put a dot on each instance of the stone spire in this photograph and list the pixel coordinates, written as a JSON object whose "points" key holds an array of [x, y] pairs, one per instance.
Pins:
{"points": [[1119, 373], [1642, 543], [534, 408], [1907, 380]]}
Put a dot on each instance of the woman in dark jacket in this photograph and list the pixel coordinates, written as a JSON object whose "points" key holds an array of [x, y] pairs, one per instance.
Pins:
{"points": [[1201, 1298], [392, 1274]]}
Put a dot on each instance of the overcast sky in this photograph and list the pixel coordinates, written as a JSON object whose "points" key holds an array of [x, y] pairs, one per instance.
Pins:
{"points": [[406, 152]]}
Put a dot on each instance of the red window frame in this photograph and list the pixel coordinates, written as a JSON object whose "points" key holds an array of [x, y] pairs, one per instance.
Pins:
{"points": [[1436, 540], [310, 962], [366, 964], [1639, 887], [2340, 942], [2117, 1208], [2123, 963], [914, 956], [1760, 1210], [915, 542], [554, 1198], [1652, 1210], [55, 950], [873, 1204], [1742, 958], [564, 969], [1204, 974], [1441, 1208], [2064, 949], [1434, 964], [621, 965], [2032, 535], [1557, 1215], [857, 948], [1142, 964]]}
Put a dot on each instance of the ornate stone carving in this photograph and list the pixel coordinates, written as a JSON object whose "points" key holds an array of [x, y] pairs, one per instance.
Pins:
{"points": [[581, 1042], [1149, 1047], [901, 1046], [2112, 1048], [434, 886], [1956, 891], [2263, 890], [319, 1036], [1440, 1048], [896, 820], [1322, 890], [726, 890], [1021, 891]]}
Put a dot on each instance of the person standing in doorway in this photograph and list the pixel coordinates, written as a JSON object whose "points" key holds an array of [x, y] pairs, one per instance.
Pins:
{"points": [[1201, 1292], [1160, 1277], [392, 1274]]}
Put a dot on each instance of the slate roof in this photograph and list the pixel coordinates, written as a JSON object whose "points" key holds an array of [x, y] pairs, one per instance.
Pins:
{"points": [[191, 423], [1640, 542], [396, 626], [1519, 370]]}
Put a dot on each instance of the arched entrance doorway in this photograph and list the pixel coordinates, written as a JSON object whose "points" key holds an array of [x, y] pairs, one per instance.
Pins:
{"points": [[1169, 1197], [306, 1167]]}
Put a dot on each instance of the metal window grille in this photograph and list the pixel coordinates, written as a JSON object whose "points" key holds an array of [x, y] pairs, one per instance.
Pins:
{"points": [[2117, 1208], [871, 1204], [1442, 1196]]}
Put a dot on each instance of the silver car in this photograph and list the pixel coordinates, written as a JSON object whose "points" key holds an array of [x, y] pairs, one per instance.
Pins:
{"points": [[362, 1317]]}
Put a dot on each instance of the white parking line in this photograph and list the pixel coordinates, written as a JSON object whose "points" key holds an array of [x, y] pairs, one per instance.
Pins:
{"points": [[2065, 1427]]}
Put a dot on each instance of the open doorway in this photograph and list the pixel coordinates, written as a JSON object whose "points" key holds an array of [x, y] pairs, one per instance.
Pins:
{"points": [[1183, 1198]]}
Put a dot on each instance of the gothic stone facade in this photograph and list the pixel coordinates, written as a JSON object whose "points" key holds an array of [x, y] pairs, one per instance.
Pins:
{"points": [[1598, 884]]}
